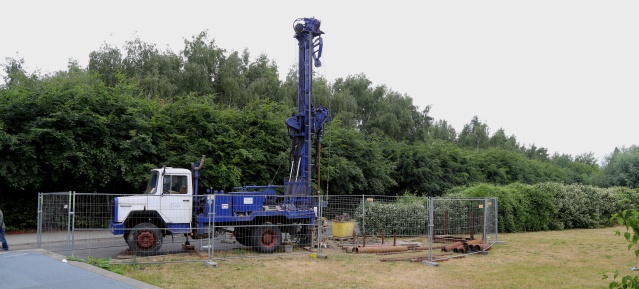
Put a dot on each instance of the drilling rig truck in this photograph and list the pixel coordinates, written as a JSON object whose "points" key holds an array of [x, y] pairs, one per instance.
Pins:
{"points": [[259, 216]]}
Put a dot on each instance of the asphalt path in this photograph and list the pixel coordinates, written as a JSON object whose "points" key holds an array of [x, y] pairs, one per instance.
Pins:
{"points": [[25, 266], [102, 244]]}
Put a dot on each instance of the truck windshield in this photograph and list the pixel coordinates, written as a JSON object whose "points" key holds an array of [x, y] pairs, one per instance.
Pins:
{"points": [[152, 184]]}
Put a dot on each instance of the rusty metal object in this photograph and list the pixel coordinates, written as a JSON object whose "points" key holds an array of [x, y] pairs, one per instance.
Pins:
{"points": [[350, 249], [448, 258], [474, 242], [452, 246], [381, 249], [447, 239], [460, 249], [468, 245], [414, 258], [481, 247]]}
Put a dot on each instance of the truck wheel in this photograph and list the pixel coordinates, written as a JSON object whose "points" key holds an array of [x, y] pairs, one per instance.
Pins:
{"points": [[305, 234], [243, 236], [145, 239], [267, 239]]}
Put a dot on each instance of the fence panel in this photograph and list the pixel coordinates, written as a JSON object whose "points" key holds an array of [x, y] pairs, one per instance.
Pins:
{"points": [[54, 222], [246, 225], [461, 226], [78, 225]]}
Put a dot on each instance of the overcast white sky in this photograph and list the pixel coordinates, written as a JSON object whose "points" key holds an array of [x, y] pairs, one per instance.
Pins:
{"points": [[563, 75]]}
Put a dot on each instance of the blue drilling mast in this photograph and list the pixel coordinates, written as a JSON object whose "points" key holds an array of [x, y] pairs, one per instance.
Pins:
{"points": [[308, 121]]}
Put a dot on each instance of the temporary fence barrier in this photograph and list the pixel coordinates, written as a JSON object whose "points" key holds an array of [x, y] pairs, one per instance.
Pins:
{"points": [[78, 225]]}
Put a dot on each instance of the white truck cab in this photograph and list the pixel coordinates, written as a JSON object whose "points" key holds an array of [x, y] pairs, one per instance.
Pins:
{"points": [[165, 208]]}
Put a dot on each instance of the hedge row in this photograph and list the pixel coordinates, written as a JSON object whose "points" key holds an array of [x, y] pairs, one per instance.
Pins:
{"points": [[400, 218], [521, 208], [552, 206]]}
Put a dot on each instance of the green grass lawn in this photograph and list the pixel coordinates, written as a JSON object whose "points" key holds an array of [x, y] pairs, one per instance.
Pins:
{"points": [[555, 259]]}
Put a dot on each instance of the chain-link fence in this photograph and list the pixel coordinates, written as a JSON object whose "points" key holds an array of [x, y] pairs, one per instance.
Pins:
{"points": [[235, 225]]}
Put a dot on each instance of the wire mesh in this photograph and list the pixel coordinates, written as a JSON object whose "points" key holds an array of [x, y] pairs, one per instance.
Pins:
{"points": [[238, 225]]}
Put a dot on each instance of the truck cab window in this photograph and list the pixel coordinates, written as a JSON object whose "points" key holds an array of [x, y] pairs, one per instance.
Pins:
{"points": [[175, 184], [152, 183]]}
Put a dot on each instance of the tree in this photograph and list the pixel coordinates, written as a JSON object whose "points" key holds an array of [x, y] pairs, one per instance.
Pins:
{"points": [[500, 140], [201, 66], [622, 168], [354, 163], [107, 62], [536, 153], [431, 168], [262, 78], [15, 73], [366, 102], [158, 74], [475, 134], [399, 119], [380, 110], [70, 132], [441, 130], [231, 81]]}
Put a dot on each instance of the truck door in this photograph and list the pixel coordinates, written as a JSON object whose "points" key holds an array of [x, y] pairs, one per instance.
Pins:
{"points": [[177, 199]]}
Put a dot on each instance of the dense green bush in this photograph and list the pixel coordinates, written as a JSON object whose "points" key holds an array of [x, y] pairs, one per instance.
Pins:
{"points": [[550, 206], [401, 218], [513, 210]]}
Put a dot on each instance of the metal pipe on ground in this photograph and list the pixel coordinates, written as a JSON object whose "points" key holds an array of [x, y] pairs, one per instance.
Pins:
{"points": [[460, 249], [468, 245], [349, 249], [452, 246], [381, 249], [474, 241], [481, 247]]}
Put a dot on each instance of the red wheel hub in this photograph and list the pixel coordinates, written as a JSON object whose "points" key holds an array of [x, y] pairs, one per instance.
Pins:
{"points": [[269, 239], [145, 240]]}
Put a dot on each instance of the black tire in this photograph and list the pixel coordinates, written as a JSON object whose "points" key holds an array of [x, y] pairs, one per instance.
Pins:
{"points": [[145, 239], [267, 239], [305, 234], [243, 236]]}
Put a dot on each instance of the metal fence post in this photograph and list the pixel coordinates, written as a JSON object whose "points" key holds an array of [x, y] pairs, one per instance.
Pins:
{"points": [[68, 207], [496, 219], [319, 225], [430, 233], [483, 236], [39, 224], [211, 216], [72, 214], [363, 215]]}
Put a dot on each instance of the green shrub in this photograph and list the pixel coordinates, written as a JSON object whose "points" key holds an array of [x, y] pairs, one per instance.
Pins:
{"points": [[403, 218], [550, 205], [512, 212]]}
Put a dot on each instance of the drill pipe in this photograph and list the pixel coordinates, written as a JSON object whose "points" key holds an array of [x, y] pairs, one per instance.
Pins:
{"points": [[460, 249], [381, 249], [468, 245], [474, 241], [480, 247], [349, 249], [452, 246]]}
